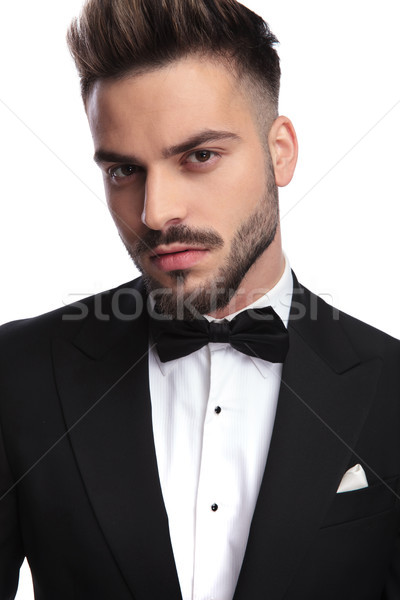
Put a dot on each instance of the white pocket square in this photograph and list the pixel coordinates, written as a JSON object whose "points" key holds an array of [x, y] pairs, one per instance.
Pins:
{"points": [[353, 479]]}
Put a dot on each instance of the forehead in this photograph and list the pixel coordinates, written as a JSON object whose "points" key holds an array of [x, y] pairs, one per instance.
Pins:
{"points": [[160, 105]]}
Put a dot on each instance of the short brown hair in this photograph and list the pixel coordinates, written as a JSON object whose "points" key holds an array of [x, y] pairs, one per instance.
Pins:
{"points": [[113, 38]]}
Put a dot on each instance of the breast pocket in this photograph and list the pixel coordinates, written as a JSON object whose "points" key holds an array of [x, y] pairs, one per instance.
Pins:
{"points": [[350, 506]]}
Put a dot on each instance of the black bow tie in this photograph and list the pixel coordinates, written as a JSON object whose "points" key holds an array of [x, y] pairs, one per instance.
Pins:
{"points": [[257, 332]]}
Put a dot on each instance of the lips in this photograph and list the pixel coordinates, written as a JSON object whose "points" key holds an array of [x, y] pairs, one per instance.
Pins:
{"points": [[177, 257]]}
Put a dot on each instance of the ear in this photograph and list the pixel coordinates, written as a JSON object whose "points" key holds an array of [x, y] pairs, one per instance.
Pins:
{"points": [[283, 146]]}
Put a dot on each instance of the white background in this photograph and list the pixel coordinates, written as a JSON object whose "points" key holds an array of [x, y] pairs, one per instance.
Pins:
{"points": [[340, 87]]}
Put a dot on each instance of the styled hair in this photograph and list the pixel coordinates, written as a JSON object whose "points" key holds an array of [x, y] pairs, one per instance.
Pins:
{"points": [[113, 38]]}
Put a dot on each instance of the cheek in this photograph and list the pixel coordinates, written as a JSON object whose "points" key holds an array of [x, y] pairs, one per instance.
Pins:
{"points": [[126, 210], [250, 178], [234, 192]]}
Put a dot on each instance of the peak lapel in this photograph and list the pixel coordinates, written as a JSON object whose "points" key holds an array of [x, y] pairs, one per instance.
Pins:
{"points": [[107, 410], [323, 402]]}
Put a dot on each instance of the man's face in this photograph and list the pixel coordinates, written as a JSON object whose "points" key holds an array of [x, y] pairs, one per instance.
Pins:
{"points": [[188, 180]]}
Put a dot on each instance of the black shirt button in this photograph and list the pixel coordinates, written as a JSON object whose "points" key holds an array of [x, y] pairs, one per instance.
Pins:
{"points": [[217, 410], [214, 507]]}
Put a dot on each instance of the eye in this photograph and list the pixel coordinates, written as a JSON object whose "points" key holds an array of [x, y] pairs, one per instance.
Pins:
{"points": [[201, 156], [123, 171]]}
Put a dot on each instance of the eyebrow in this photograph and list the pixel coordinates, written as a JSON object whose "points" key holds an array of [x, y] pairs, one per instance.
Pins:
{"points": [[204, 137]]}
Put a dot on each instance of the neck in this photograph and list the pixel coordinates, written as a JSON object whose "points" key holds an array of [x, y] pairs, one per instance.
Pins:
{"points": [[260, 279]]}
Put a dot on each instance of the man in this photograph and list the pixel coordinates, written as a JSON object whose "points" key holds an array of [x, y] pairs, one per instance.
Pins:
{"points": [[211, 430]]}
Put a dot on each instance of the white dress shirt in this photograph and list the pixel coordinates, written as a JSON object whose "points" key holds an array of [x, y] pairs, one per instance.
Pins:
{"points": [[213, 413]]}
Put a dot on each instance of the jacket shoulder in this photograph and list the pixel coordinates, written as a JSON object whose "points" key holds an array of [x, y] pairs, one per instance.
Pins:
{"points": [[316, 320], [67, 321]]}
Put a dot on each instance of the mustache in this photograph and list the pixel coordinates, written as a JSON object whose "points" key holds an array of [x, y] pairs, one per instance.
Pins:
{"points": [[178, 234]]}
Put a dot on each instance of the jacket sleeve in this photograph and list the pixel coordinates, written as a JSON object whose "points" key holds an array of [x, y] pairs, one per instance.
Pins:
{"points": [[11, 552]]}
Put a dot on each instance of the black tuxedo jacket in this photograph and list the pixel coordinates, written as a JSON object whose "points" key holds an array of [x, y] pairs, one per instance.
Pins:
{"points": [[79, 487]]}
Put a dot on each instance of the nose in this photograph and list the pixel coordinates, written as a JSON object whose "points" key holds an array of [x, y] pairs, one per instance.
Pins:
{"points": [[164, 201]]}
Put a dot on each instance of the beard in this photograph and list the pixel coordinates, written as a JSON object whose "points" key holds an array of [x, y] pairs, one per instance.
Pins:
{"points": [[250, 241]]}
